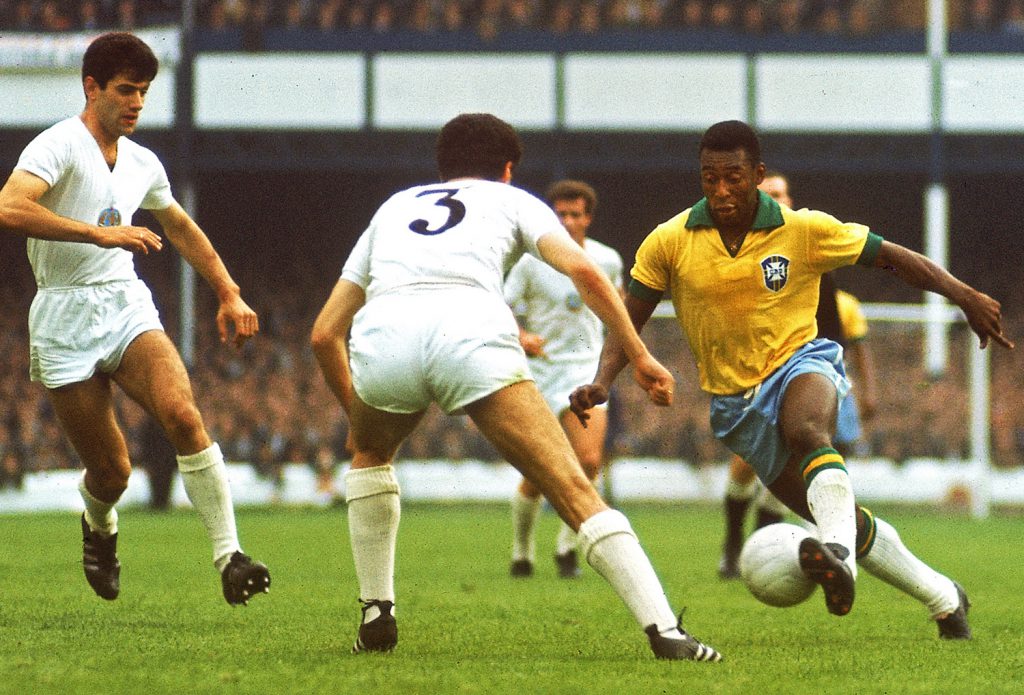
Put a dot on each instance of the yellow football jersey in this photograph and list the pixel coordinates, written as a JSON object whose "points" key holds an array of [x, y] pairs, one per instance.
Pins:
{"points": [[745, 315]]}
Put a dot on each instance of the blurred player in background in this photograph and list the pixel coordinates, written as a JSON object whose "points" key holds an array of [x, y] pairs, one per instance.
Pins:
{"points": [[840, 319], [562, 338], [419, 317], [93, 323], [743, 273]]}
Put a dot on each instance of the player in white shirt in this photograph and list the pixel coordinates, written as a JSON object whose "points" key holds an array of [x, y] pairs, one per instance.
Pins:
{"points": [[418, 317], [93, 323], [562, 338]]}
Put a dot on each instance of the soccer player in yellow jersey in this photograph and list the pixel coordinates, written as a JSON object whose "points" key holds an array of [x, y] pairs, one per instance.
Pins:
{"points": [[743, 274], [839, 318]]}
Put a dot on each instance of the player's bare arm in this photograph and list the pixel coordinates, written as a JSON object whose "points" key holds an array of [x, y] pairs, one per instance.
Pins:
{"points": [[195, 247], [330, 338], [21, 213], [613, 360], [867, 383], [983, 312]]}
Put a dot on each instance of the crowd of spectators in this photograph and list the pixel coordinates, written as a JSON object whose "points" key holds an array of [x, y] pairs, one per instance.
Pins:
{"points": [[268, 404], [491, 17]]}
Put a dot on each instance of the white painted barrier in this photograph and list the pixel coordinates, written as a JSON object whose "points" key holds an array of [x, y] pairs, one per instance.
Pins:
{"points": [[918, 481]]}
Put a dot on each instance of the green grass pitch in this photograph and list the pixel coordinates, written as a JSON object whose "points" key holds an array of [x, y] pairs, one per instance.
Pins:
{"points": [[466, 627]]}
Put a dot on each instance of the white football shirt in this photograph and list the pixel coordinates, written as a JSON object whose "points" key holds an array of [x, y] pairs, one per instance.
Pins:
{"points": [[553, 309], [464, 234], [84, 188]]}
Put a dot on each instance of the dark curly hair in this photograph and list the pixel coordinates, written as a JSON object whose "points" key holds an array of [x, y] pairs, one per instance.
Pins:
{"points": [[476, 145], [728, 136], [118, 53]]}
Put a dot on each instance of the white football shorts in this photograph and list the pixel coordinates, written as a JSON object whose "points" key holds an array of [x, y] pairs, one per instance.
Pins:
{"points": [[556, 380], [450, 348], [75, 331]]}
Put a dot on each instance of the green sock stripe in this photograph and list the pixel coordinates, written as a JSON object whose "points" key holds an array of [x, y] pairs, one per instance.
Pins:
{"points": [[823, 459], [866, 536]]}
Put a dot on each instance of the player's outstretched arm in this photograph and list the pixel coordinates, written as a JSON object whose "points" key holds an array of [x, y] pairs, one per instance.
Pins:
{"points": [[21, 213], [330, 338], [983, 313], [195, 247]]}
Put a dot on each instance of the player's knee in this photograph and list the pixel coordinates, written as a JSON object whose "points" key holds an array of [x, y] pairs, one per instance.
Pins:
{"points": [[806, 435], [183, 424], [109, 479]]}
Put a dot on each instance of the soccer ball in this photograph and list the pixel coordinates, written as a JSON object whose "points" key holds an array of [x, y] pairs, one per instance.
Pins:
{"points": [[770, 565]]}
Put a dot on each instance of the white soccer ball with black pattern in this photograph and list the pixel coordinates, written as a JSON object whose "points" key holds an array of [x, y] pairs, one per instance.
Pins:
{"points": [[770, 565]]}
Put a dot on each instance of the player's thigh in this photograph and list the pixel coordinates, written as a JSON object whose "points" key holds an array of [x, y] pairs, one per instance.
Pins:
{"points": [[86, 413], [517, 421], [376, 434], [807, 415], [152, 373], [587, 442]]}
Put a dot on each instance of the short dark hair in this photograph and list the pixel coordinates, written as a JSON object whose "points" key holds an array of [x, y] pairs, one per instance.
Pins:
{"points": [[728, 136], [476, 145], [569, 189], [116, 53]]}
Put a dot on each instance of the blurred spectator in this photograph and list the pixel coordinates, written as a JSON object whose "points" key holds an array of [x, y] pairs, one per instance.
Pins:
{"points": [[691, 14], [52, 17], [1013, 19], [861, 19], [127, 15], [752, 18], [524, 14], [329, 15], [722, 15], [563, 17], [421, 17], [624, 14], [788, 16], [590, 17], [294, 17], [89, 15], [981, 15], [829, 19], [489, 26], [24, 16], [453, 15]]}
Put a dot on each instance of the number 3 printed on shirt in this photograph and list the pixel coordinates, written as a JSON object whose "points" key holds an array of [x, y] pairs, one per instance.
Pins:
{"points": [[456, 211]]}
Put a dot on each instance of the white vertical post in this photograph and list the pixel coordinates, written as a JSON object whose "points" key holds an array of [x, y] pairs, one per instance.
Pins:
{"points": [[187, 288], [981, 455], [936, 222]]}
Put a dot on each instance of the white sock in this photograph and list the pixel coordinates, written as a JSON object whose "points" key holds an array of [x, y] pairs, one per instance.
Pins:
{"points": [[566, 540], [609, 545], [525, 511], [742, 491], [101, 516], [206, 483], [830, 498], [891, 561], [374, 510]]}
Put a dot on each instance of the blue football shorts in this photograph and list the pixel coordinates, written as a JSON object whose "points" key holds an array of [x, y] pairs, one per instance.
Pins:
{"points": [[747, 422]]}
